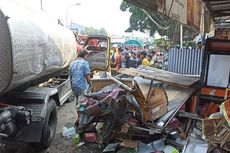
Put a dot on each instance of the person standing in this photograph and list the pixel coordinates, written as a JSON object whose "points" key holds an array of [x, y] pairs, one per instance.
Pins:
{"points": [[80, 75], [118, 59], [125, 59], [150, 59], [138, 59], [145, 61], [133, 61], [114, 54]]}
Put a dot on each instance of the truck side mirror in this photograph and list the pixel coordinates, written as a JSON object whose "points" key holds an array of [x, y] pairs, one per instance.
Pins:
{"points": [[99, 52]]}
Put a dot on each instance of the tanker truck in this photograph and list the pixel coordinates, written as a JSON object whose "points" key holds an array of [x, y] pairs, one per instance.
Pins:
{"points": [[34, 57]]}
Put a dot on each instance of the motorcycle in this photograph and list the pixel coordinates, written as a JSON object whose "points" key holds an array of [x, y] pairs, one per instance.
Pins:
{"points": [[111, 107]]}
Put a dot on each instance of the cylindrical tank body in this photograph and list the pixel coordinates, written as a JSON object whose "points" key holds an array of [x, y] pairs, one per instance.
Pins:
{"points": [[31, 46]]}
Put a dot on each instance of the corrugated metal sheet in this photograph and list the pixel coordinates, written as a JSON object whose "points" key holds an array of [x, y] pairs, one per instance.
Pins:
{"points": [[185, 61]]}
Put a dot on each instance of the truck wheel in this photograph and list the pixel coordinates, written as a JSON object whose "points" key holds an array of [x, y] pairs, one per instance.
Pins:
{"points": [[49, 125]]}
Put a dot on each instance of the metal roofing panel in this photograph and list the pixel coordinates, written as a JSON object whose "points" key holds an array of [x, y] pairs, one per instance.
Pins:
{"points": [[218, 7]]}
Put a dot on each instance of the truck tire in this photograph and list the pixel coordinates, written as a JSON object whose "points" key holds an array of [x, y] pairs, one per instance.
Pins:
{"points": [[49, 126]]}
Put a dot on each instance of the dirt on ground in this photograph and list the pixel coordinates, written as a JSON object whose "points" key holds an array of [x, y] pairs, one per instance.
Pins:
{"points": [[66, 117]]}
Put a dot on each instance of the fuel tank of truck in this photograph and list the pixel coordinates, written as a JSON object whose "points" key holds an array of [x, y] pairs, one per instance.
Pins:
{"points": [[31, 46]]}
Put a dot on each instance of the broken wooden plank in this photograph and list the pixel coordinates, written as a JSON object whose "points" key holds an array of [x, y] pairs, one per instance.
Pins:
{"points": [[224, 140], [121, 84], [161, 75], [174, 106], [216, 133], [189, 115], [227, 147], [100, 83], [128, 143], [222, 132]]}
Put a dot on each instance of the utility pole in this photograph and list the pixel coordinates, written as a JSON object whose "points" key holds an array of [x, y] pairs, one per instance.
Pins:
{"points": [[67, 11], [41, 4], [181, 36]]}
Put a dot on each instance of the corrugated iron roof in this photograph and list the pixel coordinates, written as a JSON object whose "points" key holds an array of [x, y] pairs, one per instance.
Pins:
{"points": [[218, 8]]}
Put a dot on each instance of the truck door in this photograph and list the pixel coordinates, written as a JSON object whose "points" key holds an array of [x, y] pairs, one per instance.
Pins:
{"points": [[99, 52]]}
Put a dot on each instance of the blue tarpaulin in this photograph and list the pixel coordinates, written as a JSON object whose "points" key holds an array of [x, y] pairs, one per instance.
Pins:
{"points": [[134, 43]]}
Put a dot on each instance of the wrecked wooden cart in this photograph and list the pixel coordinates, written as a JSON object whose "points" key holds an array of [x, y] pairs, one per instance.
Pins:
{"points": [[137, 107]]}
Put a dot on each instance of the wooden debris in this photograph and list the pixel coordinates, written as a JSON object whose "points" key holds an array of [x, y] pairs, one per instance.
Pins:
{"points": [[129, 143], [217, 133], [125, 128], [189, 115], [161, 75]]}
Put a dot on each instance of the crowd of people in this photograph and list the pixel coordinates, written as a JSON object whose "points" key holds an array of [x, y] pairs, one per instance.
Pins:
{"points": [[126, 57], [122, 57]]}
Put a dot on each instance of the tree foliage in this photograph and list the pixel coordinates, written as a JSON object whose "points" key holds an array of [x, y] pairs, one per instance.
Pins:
{"points": [[139, 21], [92, 31]]}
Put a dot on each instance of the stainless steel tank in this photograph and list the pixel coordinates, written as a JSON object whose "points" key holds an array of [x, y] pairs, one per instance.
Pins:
{"points": [[31, 46]]}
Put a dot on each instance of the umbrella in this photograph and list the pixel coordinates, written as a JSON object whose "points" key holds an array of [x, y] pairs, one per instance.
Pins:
{"points": [[134, 43]]}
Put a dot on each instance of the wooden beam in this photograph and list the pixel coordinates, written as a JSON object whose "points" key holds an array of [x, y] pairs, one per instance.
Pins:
{"points": [[161, 75], [222, 3], [221, 11], [221, 14], [215, 0], [209, 8]]}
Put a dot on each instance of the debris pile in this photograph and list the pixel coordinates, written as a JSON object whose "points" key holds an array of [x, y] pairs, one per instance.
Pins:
{"points": [[217, 134], [147, 116]]}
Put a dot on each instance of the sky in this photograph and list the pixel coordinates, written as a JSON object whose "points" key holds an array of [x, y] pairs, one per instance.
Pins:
{"points": [[95, 13]]}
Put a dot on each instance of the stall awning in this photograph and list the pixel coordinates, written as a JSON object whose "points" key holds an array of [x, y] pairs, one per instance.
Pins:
{"points": [[218, 8], [197, 14]]}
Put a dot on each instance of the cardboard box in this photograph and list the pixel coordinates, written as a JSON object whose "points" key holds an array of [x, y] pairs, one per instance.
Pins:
{"points": [[157, 103]]}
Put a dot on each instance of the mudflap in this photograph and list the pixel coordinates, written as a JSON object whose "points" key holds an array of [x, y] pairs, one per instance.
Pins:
{"points": [[28, 134], [33, 131], [35, 99]]}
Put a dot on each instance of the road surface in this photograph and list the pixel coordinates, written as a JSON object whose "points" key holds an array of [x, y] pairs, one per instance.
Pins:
{"points": [[66, 117]]}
